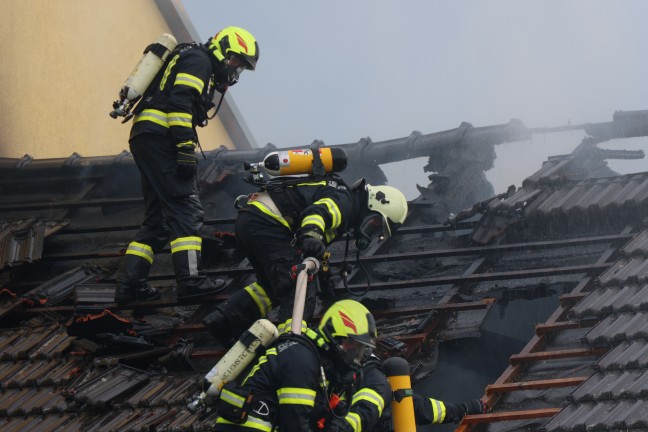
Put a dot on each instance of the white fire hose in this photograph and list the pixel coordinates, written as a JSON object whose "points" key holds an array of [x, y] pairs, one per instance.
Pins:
{"points": [[308, 267]]}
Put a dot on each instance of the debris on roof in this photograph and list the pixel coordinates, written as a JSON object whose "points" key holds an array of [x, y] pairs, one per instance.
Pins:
{"points": [[74, 360]]}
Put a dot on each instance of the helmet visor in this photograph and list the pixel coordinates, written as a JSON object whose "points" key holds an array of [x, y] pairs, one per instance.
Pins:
{"points": [[235, 66], [355, 351], [374, 225]]}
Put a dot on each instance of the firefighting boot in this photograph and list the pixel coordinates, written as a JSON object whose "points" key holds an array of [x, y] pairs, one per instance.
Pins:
{"points": [[191, 284], [132, 284]]}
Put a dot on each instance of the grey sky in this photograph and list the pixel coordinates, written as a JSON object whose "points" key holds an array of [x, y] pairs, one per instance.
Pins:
{"points": [[343, 70]]}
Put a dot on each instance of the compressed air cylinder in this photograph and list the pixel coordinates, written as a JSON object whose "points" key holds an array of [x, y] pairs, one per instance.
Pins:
{"points": [[261, 333], [295, 162], [397, 371], [148, 66]]}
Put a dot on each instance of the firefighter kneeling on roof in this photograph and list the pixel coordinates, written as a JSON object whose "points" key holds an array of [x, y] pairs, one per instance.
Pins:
{"points": [[278, 225], [290, 385], [325, 379]]}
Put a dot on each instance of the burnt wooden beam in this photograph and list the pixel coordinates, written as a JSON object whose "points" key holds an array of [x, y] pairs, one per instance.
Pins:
{"points": [[571, 298], [153, 304], [386, 313], [411, 341], [481, 251], [507, 416], [481, 277], [538, 341], [105, 202], [555, 355], [486, 250], [534, 385], [545, 328]]}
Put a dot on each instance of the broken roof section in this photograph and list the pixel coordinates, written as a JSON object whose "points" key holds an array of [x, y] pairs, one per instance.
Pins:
{"points": [[585, 367], [430, 283]]}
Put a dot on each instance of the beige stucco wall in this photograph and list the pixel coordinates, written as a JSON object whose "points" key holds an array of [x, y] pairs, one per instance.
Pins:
{"points": [[63, 63]]}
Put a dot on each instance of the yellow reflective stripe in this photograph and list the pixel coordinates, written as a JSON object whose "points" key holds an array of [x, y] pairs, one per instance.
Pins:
{"points": [[189, 80], [314, 337], [179, 119], [155, 116], [333, 209], [260, 297], [167, 72], [251, 422], [232, 398], [141, 250], [186, 243], [354, 420], [296, 396], [329, 235], [438, 411], [264, 208], [316, 220], [186, 144], [320, 183], [286, 326], [263, 359], [370, 396]]}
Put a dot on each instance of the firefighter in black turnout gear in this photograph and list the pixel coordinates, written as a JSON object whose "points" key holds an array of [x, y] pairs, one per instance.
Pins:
{"points": [[283, 224], [371, 403], [163, 141], [291, 385]]}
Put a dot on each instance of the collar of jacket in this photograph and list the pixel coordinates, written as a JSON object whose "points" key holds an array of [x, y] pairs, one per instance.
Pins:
{"points": [[218, 69]]}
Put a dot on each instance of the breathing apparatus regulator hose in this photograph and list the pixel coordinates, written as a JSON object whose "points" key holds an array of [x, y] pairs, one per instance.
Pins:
{"points": [[344, 271]]}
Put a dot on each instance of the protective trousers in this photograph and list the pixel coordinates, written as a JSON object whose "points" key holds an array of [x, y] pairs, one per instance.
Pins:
{"points": [[171, 207], [268, 246]]}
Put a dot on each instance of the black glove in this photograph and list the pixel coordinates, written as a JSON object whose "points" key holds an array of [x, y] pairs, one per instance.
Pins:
{"points": [[475, 406], [311, 244], [337, 425], [187, 161]]}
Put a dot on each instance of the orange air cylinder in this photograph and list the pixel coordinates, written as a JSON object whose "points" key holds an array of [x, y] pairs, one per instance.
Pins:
{"points": [[397, 371], [294, 162]]}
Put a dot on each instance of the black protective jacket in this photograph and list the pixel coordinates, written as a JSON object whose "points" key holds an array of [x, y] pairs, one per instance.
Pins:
{"points": [[368, 405], [289, 388], [325, 204], [180, 95], [265, 230]]}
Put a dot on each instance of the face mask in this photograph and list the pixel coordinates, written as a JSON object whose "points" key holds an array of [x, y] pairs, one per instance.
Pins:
{"points": [[371, 226]]}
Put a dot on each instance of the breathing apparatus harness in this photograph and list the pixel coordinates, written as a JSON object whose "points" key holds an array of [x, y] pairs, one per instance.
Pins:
{"points": [[206, 104], [335, 407], [279, 184]]}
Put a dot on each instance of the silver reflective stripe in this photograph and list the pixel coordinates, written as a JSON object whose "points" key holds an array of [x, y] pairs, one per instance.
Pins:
{"points": [[153, 115], [232, 399], [175, 120], [257, 423], [296, 396], [190, 81], [141, 250], [186, 243], [370, 396], [438, 411], [354, 420], [260, 297], [192, 262]]}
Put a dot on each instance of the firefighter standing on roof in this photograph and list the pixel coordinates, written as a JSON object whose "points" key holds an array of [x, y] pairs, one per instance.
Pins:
{"points": [[280, 226], [163, 142]]}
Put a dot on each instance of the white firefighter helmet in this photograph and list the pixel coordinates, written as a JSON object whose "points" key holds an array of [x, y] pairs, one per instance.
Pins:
{"points": [[387, 211]]}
